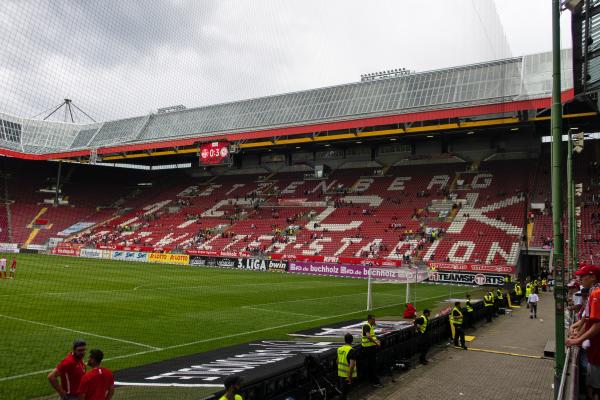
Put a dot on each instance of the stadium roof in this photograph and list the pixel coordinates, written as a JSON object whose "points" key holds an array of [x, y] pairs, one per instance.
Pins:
{"points": [[513, 84]]}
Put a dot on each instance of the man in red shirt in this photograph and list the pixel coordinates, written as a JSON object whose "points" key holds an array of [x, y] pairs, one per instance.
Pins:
{"points": [[410, 311], [13, 266], [99, 383], [589, 336], [70, 370]]}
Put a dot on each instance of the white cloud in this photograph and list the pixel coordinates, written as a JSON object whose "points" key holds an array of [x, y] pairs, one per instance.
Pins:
{"points": [[120, 59]]}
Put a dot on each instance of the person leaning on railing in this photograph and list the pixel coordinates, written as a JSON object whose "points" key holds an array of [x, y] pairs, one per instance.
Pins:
{"points": [[369, 345], [424, 342], [587, 335]]}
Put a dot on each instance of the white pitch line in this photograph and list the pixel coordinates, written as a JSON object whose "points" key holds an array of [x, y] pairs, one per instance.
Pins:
{"points": [[290, 324], [225, 337], [326, 297], [310, 299], [81, 332], [141, 287], [389, 294], [279, 311], [9, 378]]}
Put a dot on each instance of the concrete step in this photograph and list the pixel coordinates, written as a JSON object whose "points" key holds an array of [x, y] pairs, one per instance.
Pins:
{"points": [[550, 348]]}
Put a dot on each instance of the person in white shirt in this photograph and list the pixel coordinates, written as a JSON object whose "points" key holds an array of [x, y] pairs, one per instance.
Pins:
{"points": [[3, 267], [577, 301], [533, 301]]}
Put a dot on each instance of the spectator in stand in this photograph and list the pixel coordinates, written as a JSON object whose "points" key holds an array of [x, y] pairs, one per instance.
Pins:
{"points": [[578, 327], [70, 370], [589, 335], [99, 383]]}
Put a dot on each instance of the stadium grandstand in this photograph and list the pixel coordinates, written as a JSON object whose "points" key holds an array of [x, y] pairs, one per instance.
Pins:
{"points": [[426, 185], [369, 170]]}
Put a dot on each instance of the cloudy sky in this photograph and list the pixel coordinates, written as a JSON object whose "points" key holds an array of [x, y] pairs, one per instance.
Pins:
{"points": [[119, 59]]}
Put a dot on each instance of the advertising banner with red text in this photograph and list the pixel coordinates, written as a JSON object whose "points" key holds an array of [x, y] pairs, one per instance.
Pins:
{"points": [[67, 250]]}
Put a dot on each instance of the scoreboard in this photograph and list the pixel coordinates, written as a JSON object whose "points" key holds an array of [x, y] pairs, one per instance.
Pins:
{"points": [[214, 153]]}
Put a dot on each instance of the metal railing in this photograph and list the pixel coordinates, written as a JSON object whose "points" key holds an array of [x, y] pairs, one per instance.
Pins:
{"points": [[569, 380], [568, 388]]}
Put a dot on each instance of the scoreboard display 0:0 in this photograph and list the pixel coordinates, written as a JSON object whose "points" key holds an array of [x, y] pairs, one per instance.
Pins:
{"points": [[214, 153]]}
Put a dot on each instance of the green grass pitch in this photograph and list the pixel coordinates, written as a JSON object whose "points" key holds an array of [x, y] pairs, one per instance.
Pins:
{"points": [[140, 313]]}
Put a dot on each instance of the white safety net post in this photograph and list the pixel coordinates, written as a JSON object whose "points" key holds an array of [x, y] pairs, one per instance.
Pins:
{"points": [[369, 293]]}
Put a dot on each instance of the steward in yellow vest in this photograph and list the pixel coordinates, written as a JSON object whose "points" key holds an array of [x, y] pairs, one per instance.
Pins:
{"points": [[469, 314], [233, 384], [488, 302], [518, 293], [528, 291], [346, 363], [456, 320], [422, 325], [500, 298], [369, 345], [368, 338], [518, 289]]}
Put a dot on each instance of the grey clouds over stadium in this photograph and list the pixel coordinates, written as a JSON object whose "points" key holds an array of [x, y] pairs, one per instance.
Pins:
{"points": [[118, 59]]}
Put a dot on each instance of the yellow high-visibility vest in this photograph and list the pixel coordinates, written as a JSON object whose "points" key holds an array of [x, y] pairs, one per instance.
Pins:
{"points": [[423, 326], [343, 363], [458, 319], [469, 306], [237, 397], [364, 340], [488, 300]]}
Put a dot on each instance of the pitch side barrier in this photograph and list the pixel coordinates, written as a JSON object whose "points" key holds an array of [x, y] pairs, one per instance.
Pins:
{"points": [[397, 351], [471, 274]]}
